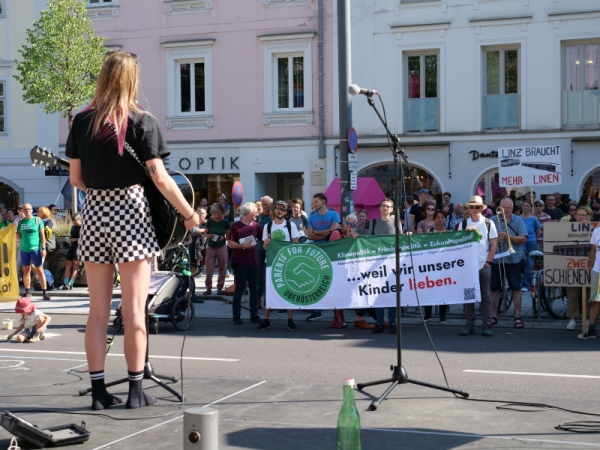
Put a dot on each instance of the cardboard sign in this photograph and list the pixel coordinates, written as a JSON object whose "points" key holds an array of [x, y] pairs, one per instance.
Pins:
{"points": [[536, 165], [566, 252]]}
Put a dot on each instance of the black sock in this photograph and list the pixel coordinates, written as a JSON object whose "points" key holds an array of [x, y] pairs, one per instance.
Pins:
{"points": [[137, 397], [26, 292], [100, 397], [43, 292]]}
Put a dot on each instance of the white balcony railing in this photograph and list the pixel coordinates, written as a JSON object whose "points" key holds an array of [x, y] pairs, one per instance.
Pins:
{"points": [[421, 114], [501, 111], [581, 108]]}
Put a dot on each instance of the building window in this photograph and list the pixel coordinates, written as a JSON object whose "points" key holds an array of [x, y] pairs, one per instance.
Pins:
{"points": [[2, 105], [103, 9], [288, 79], [422, 107], [488, 187], [501, 103], [189, 84], [192, 98], [581, 97], [290, 82]]}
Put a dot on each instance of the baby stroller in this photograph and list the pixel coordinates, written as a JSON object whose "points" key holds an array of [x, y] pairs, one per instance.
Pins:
{"points": [[167, 299]]}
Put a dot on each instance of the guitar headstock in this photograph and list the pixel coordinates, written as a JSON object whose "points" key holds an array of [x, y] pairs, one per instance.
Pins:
{"points": [[45, 158]]}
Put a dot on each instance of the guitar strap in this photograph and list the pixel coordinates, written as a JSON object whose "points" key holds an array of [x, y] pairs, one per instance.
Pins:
{"points": [[130, 150]]}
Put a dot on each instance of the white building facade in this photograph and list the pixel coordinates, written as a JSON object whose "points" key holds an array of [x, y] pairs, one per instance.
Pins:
{"points": [[22, 125], [462, 79]]}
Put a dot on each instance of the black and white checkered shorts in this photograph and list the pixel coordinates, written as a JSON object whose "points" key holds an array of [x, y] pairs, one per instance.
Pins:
{"points": [[117, 226]]}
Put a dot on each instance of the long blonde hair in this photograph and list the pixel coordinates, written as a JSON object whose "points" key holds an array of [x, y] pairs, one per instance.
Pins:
{"points": [[116, 96]]}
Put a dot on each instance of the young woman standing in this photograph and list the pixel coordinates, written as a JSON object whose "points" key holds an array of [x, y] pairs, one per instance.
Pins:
{"points": [[117, 226], [429, 221]]}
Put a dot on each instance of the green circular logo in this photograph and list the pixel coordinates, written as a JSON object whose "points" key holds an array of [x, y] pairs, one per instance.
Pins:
{"points": [[301, 274]]}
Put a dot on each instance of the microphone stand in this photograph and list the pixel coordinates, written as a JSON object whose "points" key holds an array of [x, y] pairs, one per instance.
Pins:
{"points": [[399, 375]]}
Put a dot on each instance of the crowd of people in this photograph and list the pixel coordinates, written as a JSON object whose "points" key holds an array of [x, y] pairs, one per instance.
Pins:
{"points": [[214, 246], [287, 220]]}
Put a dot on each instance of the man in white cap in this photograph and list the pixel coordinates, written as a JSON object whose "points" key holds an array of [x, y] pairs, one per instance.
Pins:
{"points": [[486, 251]]}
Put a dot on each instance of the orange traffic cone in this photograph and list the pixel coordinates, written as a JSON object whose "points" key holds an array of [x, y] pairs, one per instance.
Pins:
{"points": [[338, 319]]}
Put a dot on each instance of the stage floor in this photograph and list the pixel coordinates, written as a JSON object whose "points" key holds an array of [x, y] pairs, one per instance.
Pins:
{"points": [[257, 414]]}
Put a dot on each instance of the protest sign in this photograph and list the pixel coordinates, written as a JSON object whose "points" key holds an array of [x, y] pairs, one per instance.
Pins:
{"points": [[566, 252], [536, 165], [360, 273], [9, 282]]}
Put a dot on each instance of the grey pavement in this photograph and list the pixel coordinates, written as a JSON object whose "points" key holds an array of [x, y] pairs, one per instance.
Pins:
{"points": [[278, 389]]}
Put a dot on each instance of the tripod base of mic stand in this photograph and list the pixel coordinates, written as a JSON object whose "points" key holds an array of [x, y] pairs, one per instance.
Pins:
{"points": [[399, 376], [148, 375]]}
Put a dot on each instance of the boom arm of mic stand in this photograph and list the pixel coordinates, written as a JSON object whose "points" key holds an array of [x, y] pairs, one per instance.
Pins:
{"points": [[393, 137]]}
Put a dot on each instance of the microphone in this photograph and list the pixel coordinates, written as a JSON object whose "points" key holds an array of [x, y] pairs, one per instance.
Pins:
{"points": [[353, 89]]}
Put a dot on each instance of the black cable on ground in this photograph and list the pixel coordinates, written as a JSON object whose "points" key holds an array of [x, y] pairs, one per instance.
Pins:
{"points": [[577, 427], [109, 343]]}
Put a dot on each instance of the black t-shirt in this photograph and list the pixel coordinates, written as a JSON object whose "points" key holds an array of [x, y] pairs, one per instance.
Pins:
{"points": [[595, 217], [417, 211], [101, 165], [75, 229], [555, 213]]}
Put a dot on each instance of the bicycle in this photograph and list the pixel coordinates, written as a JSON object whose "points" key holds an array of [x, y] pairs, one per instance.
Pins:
{"points": [[551, 299]]}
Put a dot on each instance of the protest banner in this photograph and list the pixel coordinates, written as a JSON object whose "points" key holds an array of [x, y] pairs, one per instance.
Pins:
{"points": [[360, 273], [9, 282], [566, 252], [536, 165]]}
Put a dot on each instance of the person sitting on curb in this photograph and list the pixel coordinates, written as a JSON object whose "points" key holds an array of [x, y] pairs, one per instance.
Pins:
{"points": [[33, 322], [279, 229]]}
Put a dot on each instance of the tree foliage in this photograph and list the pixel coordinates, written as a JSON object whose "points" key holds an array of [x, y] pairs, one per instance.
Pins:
{"points": [[61, 59]]}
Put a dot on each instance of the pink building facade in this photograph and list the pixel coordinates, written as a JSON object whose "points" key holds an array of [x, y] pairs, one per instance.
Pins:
{"points": [[234, 85]]}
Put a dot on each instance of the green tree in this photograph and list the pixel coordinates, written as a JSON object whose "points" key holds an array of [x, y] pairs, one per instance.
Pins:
{"points": [[61, 59]]}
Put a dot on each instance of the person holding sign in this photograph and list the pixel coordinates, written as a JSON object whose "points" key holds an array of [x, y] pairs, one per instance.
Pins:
{"points": [[574, 293], [280, 229], [512, 233], [594, 267], [486, 252], [320, 225], [241, 239]]}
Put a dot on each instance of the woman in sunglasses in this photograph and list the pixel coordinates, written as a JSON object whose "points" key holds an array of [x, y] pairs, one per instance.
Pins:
{"points": [[429, 221], [571, 217]]}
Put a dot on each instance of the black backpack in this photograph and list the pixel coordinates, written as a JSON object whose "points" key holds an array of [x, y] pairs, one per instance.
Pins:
{"points": [[288, 225]]}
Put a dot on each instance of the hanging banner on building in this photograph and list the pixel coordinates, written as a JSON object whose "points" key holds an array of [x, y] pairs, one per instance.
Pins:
{"points": [[360, 273], [536, 165], [566, 252], [9, 282]]}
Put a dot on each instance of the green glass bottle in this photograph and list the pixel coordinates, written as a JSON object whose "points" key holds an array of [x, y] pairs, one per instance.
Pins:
{"points": [[348, 426]]}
